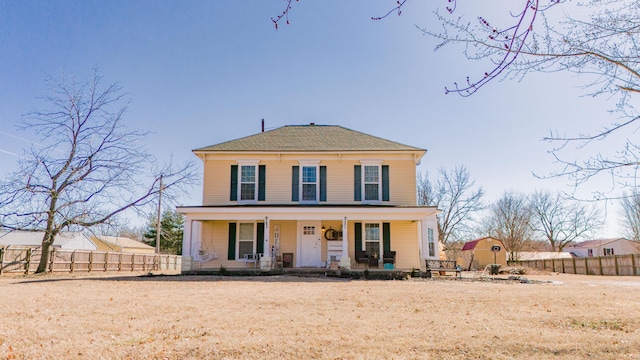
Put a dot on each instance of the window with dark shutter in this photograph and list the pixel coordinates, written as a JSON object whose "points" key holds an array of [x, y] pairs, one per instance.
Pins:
{"points": [[357, 184], [385, 182], [262, 178], [260, 238], [233, 193], [232, 241], [386, 237], [323, 183], [295, 178], [358, 236]]}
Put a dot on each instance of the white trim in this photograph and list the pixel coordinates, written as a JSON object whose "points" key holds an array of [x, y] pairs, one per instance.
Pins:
{"points": [[371, 162], [309, 162], [355, 213], [187, 238], [410, 155], [248, 162]]}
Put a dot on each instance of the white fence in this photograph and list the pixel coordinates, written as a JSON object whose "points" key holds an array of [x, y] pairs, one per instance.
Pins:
{"points": [[26, 260]]}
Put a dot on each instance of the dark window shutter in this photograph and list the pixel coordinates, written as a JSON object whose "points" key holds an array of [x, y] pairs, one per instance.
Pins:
{"points": [[386, 237], [357, 184], [295, 179], [358, 236], [385, 182], [232, 242], [323, 183], [260, 238], [262, 176], [233, 195]]}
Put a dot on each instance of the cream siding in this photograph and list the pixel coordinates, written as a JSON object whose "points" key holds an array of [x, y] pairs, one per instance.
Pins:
{"points": [[340, 181], [404, 235], [402, 182], [215, 237], [216, 182], [288, 236]]}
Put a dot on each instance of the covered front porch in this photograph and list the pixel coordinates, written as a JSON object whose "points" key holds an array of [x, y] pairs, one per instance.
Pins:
{"points": [[272, 238]]}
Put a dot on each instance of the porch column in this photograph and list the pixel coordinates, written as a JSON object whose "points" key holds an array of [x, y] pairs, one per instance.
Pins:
{"points": [[187, 243], [345, 260], [265, 260], [423, 247]]}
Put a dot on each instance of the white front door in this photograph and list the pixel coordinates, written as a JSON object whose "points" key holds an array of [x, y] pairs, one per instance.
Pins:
{"points": [[309, 244]]}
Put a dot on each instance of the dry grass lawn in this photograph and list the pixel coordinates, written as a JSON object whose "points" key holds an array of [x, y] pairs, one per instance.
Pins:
{"points": [[176, 317]]}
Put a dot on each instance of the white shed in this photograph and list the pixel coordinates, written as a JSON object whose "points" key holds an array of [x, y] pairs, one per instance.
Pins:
{"points": [[604, 247], [66, 240]]}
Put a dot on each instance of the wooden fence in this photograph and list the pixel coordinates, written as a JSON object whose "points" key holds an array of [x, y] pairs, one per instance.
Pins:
{"points": [[26, 260], [619, 265]]}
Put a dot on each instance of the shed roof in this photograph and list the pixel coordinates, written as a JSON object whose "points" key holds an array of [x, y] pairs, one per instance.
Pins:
{"points": [[470, 245], [118, 243], [293, 138]]}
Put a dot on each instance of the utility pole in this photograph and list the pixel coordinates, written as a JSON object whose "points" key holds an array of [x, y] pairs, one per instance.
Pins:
{"points": [[158, 227]]}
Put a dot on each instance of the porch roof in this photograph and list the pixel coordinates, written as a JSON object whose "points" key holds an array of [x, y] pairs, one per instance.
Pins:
{"points": [[308, 212]]}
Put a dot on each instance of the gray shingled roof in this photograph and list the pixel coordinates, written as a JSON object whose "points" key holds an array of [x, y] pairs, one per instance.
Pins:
{"points": [[310, 138]]}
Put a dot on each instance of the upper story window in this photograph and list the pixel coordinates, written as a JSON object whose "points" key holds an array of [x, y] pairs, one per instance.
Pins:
{"points": [[371, 182], [309, 183], [248, 181], [608, 251]]}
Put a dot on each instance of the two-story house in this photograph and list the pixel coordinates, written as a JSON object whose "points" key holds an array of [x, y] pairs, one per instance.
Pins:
{"points": [[311, 196]]}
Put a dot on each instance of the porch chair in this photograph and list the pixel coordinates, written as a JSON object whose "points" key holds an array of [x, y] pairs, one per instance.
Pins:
{"points": [[362, 258], [389, 257]]}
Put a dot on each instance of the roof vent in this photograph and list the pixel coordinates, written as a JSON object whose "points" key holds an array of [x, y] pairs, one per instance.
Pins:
{"points": [[312, 124]]}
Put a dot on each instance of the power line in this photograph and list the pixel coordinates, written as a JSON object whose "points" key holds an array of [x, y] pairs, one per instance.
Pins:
{"points": [[10, 153], [21, 138]]}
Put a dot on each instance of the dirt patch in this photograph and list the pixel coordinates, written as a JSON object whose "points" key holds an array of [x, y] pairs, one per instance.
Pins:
{"points": [[283, 317]]}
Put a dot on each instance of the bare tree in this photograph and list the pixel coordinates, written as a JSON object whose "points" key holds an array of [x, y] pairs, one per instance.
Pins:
{"points": [[90, 169], [509, 220], [562, 221], [455, 194], [598, 40], [631, 215]]}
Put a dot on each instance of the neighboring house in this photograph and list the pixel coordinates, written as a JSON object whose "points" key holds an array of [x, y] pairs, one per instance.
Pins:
{"points": [[33, 239], [478, 253], [603, 247], [311, 195], [122, 244], [543, 255]]}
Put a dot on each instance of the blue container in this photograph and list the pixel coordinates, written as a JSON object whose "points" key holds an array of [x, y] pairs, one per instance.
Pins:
{"points": [[388, 266]]}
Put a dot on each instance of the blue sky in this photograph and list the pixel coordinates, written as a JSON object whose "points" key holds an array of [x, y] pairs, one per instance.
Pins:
{"points": [[203, 72]]}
